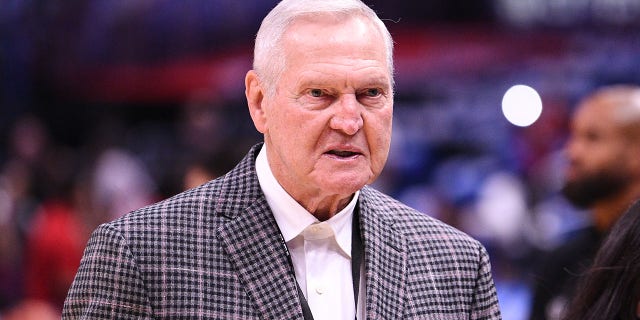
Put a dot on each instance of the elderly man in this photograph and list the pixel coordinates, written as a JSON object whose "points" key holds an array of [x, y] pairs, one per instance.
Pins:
{"points": [[603, 176], [294, 232]]}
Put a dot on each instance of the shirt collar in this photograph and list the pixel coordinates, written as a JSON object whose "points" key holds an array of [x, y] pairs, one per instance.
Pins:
{"points": [[291, 217]]}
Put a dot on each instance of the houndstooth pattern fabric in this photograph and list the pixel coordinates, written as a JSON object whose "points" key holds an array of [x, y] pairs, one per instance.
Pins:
{"points": [[214, 252]]}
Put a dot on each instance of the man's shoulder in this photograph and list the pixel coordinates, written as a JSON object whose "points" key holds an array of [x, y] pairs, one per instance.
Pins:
{"points": [[414, 224]]}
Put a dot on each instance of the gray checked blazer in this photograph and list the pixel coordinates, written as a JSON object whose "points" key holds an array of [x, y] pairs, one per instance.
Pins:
{"points": [[214, 252]]}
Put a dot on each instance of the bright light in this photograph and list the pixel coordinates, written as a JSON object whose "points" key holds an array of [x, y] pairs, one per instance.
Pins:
{"points": [[521, 105]]}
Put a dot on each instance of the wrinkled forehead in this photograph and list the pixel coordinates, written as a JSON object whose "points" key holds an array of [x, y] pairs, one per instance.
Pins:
{"points": [[317, 26], [307, 32]]}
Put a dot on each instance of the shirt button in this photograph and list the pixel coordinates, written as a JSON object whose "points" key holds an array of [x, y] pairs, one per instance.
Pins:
{"points": [[315, 229], [320, 289]]}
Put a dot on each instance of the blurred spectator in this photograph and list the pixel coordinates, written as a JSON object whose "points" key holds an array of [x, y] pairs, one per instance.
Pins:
{"points": [[120, 184], [203, 128], [58, 230], [603, 176], [55, 246], [51, 197], [201, 171], [21, 191], [31, 310], [610, 289], [211, 137]]}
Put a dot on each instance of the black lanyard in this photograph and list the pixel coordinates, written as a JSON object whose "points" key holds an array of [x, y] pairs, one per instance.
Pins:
{"points": [[357, 251]]}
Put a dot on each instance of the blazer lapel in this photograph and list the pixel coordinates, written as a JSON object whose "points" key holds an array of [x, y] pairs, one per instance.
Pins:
{"points": [[385, 261], [252, 240]]}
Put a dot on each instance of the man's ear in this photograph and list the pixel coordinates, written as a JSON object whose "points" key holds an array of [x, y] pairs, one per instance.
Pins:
{"points": [[638, 310], [255, 99]]}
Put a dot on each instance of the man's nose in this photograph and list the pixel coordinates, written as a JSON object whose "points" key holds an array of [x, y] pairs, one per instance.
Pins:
{"points": [[571, 147], [347, 115]]}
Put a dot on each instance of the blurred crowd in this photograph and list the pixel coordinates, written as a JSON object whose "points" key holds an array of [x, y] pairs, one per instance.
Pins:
{"points": [[67, 164], [52, 194]]}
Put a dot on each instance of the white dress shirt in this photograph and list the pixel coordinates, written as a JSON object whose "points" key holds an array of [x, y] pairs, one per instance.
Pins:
{"points": [[320, 251]]}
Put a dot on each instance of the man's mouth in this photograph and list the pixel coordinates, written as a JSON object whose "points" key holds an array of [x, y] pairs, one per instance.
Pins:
{"points": [[342, 154]]}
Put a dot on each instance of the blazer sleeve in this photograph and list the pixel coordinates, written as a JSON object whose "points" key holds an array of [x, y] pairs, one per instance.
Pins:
{"points": [[485, 302], [108, 284]]}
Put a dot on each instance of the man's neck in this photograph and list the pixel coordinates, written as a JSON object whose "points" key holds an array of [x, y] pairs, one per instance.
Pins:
{"points": [[606, 212]]}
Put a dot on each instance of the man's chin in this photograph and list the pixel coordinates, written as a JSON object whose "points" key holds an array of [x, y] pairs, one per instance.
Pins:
{"points": [[345, 184], [584, 193]]}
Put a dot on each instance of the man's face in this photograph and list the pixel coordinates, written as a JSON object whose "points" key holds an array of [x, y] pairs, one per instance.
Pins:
{"points": [[328, 125], [598, 157]]}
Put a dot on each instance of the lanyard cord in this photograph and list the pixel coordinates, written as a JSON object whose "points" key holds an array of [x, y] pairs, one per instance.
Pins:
{"points": [[357, 251]]}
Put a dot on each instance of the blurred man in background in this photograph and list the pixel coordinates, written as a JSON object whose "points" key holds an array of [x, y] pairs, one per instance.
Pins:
{"points": [[603, 176]]}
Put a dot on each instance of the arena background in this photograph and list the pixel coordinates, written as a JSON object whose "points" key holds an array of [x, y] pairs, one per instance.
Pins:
{"points": [[109, 105]]}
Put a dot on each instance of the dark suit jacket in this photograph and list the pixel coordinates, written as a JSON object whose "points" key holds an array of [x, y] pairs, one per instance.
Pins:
{"points": [[214, 252]]}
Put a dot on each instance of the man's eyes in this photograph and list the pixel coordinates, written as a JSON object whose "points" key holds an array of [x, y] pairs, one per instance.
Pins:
{"points": [[316, 93], [372, 92]]}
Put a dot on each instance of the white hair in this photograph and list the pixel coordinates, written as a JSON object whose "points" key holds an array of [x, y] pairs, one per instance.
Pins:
{"points": [[268, 56]]}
